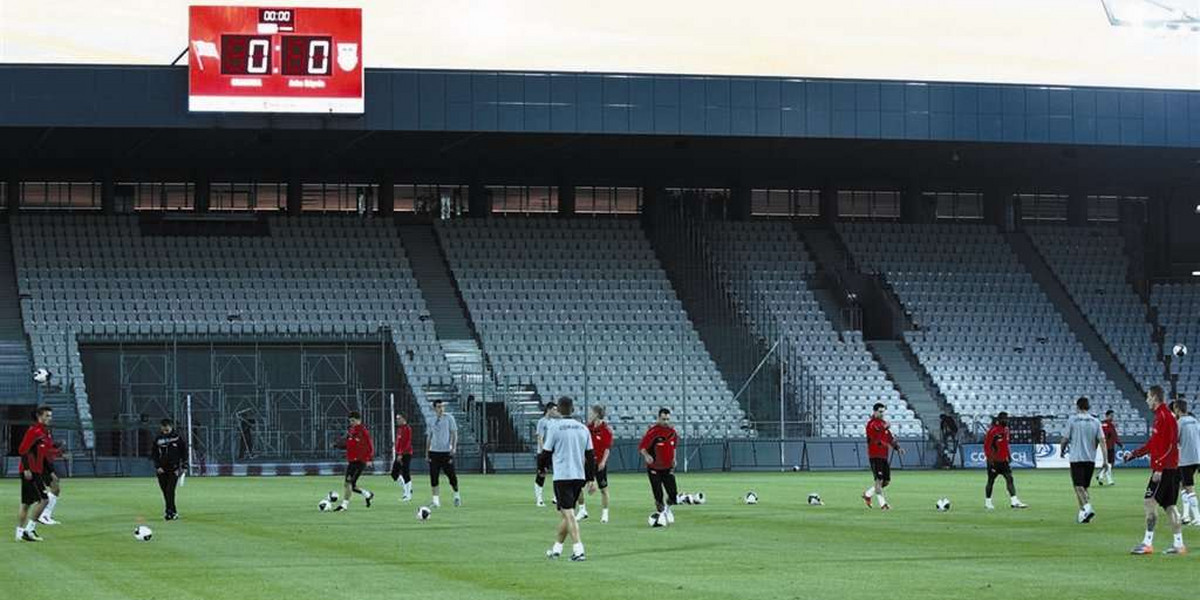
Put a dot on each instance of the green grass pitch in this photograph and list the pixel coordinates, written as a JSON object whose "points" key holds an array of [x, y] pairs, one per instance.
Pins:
{"points": [[252, 538]]}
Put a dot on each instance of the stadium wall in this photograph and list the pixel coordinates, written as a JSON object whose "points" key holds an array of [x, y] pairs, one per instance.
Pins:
{"points": [[570, 103]]}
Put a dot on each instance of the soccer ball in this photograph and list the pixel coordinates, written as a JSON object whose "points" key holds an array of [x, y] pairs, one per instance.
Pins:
{"points": [[942, 505], [41, 375], [423, 513], [795, 468], [686, 499], [815, 500], [1179, 350], [751, 498], [332, 497], [698, 498], [324, 505], [657, 520], [142, 533]]}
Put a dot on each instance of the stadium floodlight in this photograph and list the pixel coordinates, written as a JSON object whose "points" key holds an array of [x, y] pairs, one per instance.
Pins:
{"points": [[1152, 14]]}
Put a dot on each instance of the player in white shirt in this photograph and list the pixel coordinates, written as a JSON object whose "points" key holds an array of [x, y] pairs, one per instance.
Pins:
{"points": [[550, 412], [568, 447], [1189, 460]]}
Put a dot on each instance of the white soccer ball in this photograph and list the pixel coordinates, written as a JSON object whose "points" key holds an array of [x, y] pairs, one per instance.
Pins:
{"points": [[751, 498], [795, 468], [41, 375], [942, 505], [332, 497], [657, 520], [1179, 350], [814, 499], [686, 499], [423, 513], [324, 505], [699, 498], [142, 533]]}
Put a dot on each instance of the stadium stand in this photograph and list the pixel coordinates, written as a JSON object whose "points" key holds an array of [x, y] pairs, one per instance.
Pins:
{"points": [[582, 308], [1178, 309], [1092, 265], [767, 268], [16, 362], [987, 334], [316, 276]]}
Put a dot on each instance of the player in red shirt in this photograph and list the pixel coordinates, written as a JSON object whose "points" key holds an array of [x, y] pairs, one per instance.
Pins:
{"points": [[602, 438], [995, 448], [880, 443], [1163, 489], [658, 450], [403, 457], [359, 451], [35, 447], [1111, 441]]}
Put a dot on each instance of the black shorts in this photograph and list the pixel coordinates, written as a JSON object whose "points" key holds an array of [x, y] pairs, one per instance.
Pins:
{"points": [[400, 466], [602, 478], [354, 470], [1166, 491], [33, 490], [440, 462], [567, 493], [1000, 467], [1187, 474], [881, 469], [1081, 474]]}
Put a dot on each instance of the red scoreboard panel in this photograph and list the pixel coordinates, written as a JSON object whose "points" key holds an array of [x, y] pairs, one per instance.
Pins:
{"points": [[293, 60]]}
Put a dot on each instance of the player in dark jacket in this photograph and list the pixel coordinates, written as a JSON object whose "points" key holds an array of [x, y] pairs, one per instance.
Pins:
{"points": [[170, 457]]}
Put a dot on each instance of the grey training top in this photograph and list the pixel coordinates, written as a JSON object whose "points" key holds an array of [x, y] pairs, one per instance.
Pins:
{"points": [[1083, 436], [1189, 441], [542, 424], [568, 439], [440, 429]]}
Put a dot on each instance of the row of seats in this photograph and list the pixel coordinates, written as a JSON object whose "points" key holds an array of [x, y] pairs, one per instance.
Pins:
{"points": [[561, 334], [1091, 264], [319, 276], [766, 267], [933, 268], [1178, 307]]}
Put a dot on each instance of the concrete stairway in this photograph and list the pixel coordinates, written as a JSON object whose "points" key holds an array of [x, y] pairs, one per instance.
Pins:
{"points": [[916, 387], [470, 367], [450, 319], [875, 310], [1084, 332]]}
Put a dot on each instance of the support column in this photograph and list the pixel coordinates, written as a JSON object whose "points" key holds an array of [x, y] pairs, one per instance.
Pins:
{"points": [[108, 195], [386, 196], [295, 196], [829, 204], [566, 200], [13, 201], [916, 207], [1077, 208], [479, 203], [203, 187], [999, 208], [740, 203]]}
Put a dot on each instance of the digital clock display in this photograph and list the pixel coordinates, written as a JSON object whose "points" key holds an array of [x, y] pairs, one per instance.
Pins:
{"points": [[250, 59]]}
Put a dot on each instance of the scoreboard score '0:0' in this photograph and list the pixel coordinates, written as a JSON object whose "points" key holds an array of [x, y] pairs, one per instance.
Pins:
{"points": [[300, 60]]}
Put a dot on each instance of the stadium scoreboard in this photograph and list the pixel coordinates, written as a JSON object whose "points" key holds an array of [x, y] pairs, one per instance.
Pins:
{"points": [[275, 59]]}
